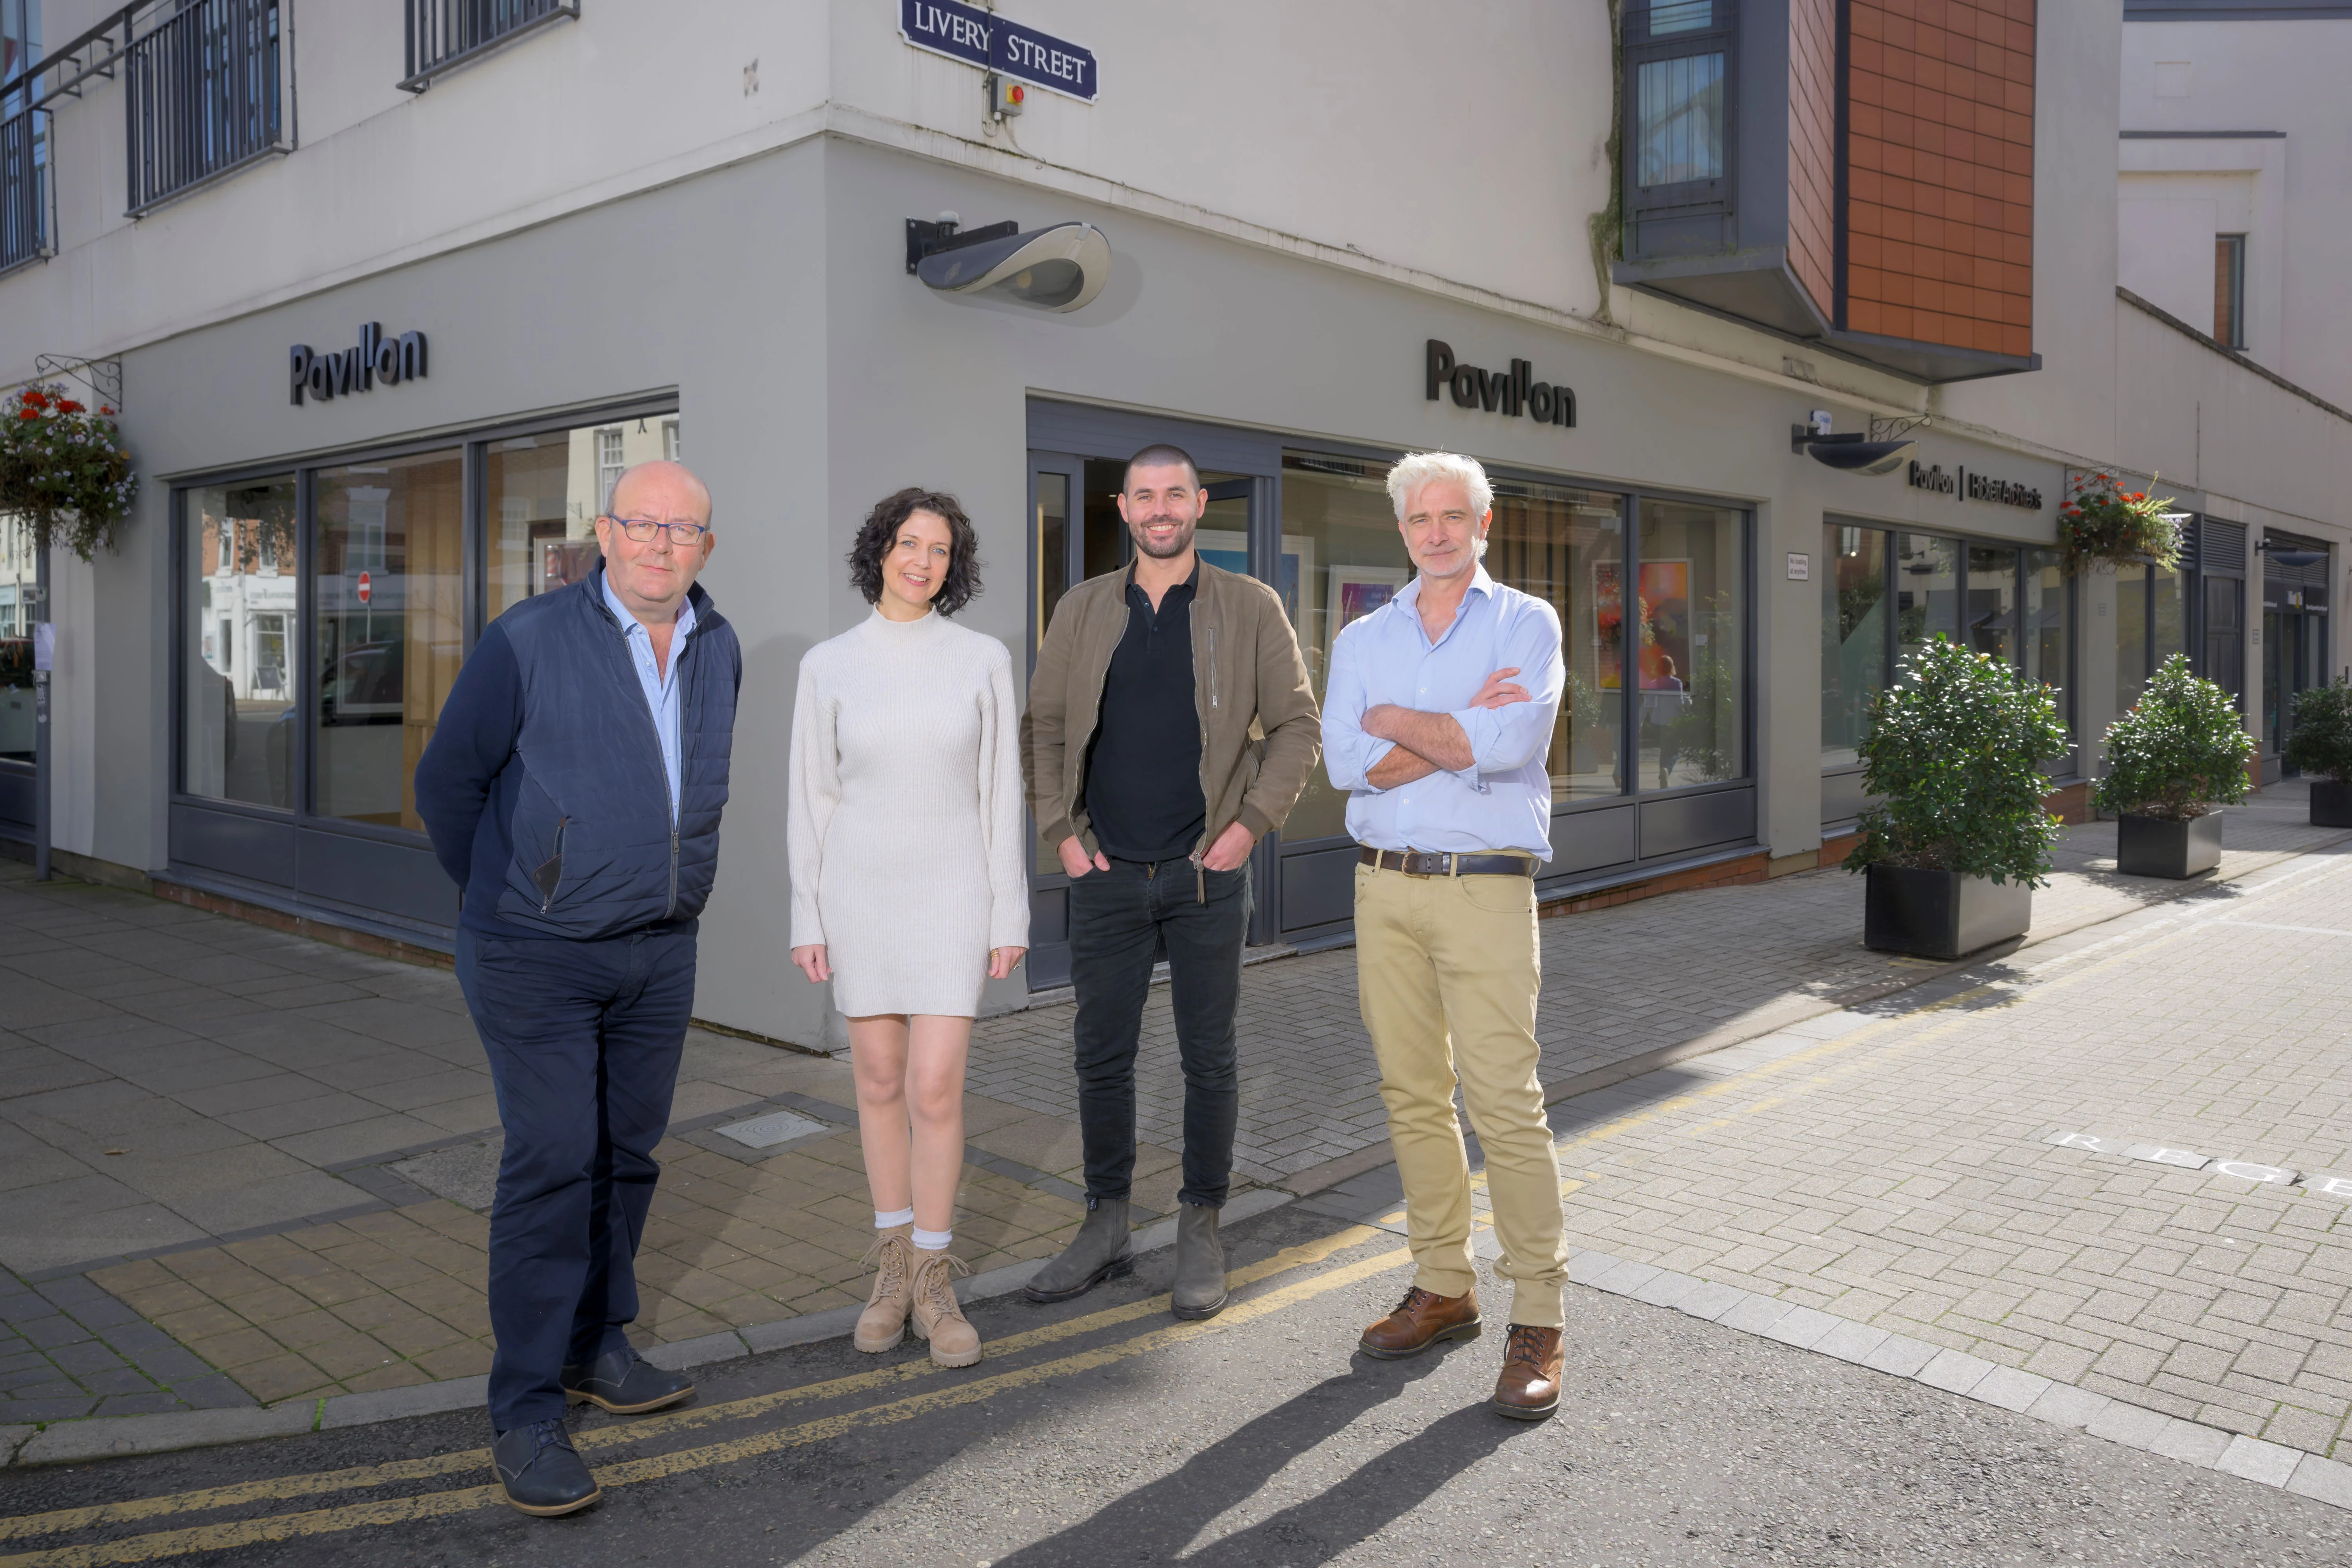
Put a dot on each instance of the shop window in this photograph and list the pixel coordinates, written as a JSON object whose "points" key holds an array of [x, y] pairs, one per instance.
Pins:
{"points": [[2151, 625], [2225, 635], [1567, 547], [388, 629], [15, 640], [1678, 63], [1337, 519], [1992, 624], [2048, 632], [1927, 591], [237, 715], [1690, 658], [1856, 639], [543, 494]]}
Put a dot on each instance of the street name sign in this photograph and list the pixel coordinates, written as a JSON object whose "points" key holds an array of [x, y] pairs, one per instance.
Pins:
{"points": [[985, 40]]}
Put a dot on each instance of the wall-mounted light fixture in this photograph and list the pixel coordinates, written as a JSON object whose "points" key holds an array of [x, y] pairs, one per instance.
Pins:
{"points": [[1061, 268], [2288, 555], [1854, 452]]}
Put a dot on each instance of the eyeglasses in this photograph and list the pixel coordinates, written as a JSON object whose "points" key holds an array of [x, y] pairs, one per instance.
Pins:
{"points": [[684, 535]]}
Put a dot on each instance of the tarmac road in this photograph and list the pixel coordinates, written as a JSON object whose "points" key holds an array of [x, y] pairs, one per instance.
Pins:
{"points": [[1102, 1432]]}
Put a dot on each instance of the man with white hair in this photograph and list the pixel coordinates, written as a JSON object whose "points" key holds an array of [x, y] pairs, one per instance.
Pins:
{"points": [[1436, 719]]}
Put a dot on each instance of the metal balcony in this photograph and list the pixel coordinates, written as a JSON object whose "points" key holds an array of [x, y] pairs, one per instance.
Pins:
{"points": [[444, 34]]}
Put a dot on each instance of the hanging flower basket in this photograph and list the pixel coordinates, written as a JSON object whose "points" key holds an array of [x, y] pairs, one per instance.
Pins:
{"points": [[2103, 524], [64, 469]]}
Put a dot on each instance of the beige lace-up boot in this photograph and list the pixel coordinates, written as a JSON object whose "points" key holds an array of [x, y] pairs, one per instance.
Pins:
{"points": [[883, 1322], [938, 1316]]}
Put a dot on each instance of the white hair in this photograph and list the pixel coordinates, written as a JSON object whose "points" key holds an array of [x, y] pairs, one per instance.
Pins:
{"points": [[1416, 470]]}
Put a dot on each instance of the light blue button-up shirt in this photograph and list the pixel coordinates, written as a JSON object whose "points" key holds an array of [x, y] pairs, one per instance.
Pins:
{"points": [[660, 684], [1503, 800]]}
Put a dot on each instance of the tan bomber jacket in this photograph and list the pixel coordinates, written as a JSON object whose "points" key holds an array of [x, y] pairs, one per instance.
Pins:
{"points": [[1260, 732]]}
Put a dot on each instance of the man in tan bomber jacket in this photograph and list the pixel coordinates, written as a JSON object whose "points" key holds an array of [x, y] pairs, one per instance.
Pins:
{"points": [[1145, 771]]}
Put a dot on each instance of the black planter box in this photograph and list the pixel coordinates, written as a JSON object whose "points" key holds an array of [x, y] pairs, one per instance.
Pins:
{"points": [[2158, 846], [1941, 914], [2331, 804]]}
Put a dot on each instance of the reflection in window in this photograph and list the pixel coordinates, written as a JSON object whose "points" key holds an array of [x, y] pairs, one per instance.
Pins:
{"points": [[1567, 547], [1992, 602], [544, 492], [2049, 630], [17, 584], [389, 595], [1679, 17], [1350, 559], [1679, 128], [1691, 663], [1052, 548], [238, 714], [1855, 637], [1927, 591]]}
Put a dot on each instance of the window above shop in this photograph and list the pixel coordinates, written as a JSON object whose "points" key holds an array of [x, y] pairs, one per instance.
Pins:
{"points": [[208, 90], [1833, 172], [444, 34]]}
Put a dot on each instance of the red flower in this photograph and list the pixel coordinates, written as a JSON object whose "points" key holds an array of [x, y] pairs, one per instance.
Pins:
{"points": [[68, 406], [33, 398], [102, 408], [28, 413]]}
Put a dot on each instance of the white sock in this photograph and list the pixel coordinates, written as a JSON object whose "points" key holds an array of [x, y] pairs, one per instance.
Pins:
{"points": [[884, 1221], [932, 1240]]}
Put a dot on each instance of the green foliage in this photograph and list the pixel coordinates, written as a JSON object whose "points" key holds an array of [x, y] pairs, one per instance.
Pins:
{"points": [[2321, 741], [64, 469], [2103, 524], [1706, 733], [1952, 755], [2181, 751]]}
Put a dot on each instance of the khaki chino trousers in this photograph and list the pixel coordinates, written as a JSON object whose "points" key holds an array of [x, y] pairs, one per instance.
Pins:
{"points": [[1447, 972]]}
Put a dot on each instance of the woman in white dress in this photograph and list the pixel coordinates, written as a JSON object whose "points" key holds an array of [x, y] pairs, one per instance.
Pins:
{"points": [[907, 882]]}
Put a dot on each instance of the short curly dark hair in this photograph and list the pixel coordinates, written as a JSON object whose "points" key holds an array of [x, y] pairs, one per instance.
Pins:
{"points": [[879, 531]]}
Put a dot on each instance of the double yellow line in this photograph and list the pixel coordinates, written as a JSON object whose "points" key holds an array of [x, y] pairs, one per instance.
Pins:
{"points": [[164, 1543]]}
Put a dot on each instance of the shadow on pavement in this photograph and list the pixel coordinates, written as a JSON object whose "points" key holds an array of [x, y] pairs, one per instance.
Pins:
{"points": [[1157, 1520]]}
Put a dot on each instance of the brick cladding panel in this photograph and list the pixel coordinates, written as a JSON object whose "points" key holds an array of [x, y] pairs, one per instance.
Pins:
{"points": [[1941, 171], [1812, 149]]}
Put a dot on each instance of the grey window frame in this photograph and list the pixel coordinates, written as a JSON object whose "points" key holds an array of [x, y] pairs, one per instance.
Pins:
{"points": [[1686, 198]]}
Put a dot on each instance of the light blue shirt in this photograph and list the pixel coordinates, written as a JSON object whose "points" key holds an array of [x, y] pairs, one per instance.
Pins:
{"points": [[1503, 800], [660, 684]]}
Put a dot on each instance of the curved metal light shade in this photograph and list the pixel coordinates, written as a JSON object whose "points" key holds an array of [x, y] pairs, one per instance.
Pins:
{"points": [[1856, 456], [1057, 268]]}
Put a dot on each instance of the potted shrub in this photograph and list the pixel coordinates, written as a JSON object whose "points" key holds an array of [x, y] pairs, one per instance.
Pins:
{"points": [[2320, 744], [2103, 524], [2179, 753], [1958, 838]]}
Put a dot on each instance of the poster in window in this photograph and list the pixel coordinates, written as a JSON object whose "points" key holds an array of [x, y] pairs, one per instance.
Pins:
{"points": [[1662, 602], [1355, 591]]}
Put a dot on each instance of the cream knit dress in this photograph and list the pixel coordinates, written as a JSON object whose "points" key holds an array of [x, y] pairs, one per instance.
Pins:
{"points": [[906, 831]]}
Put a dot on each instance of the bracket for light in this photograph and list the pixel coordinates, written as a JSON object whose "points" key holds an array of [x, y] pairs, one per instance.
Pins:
{"points": [[1060, 268]]}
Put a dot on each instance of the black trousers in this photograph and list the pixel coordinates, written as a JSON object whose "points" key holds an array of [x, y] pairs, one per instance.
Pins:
{"points": [[1121, 922], [583, 1040]]}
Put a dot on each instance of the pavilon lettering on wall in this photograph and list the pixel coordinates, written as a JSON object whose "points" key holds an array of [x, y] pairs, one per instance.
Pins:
{"points": [[1511, 392], [335, 371]]}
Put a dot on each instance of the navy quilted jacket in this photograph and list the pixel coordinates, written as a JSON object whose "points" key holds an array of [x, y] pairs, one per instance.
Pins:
{"points": [[544, 788]]}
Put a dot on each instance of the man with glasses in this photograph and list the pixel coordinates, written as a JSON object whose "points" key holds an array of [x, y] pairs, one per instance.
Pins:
{"points": [[572, 790], [1437, 722]]}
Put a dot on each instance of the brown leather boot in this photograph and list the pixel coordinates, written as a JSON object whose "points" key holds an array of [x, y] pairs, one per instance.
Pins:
{"points": [[1420, 1320], [1529, 1389], [939, 1317]]}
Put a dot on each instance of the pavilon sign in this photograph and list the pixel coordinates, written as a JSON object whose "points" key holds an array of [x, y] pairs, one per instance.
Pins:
{"points": [[336, 372]]}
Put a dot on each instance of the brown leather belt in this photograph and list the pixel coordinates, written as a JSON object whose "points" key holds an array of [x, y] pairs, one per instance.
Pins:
{"points": [[1427, 863]]}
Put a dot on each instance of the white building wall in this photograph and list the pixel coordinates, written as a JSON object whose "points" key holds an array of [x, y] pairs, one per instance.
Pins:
{"points": [[2190, 80]]}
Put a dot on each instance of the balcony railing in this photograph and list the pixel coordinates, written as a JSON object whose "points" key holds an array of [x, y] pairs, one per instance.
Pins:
{"points": [[445, 34], [25, 225], [205, 93]]}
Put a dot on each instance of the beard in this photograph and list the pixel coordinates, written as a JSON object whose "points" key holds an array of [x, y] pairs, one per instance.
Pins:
{"points": [[1175, 548]]}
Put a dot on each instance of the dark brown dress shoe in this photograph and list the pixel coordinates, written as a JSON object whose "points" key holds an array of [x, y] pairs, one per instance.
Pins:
{"points": [[1529, 1389], [1420, 1320]]}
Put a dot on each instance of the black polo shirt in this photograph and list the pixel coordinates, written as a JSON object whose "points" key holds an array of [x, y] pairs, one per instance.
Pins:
{"points": [[1143, 767]]}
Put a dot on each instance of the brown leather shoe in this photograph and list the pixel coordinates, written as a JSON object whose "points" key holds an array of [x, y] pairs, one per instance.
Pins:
{"points": [[1529, 1389], [1420, 1320]]}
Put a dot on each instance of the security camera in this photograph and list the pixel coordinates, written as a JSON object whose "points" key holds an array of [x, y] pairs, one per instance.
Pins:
{"points": [[1058, 269]]}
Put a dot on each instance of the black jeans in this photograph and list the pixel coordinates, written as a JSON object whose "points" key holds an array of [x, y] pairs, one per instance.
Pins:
{"points": [[583, 1039], [1121, 922]]}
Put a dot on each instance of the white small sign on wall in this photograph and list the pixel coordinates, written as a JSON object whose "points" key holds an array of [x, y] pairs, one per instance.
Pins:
{"points": [[1800, 567]]}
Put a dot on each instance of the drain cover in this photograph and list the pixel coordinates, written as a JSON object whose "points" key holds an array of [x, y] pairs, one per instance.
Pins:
{"points": [[767, 1131]]}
